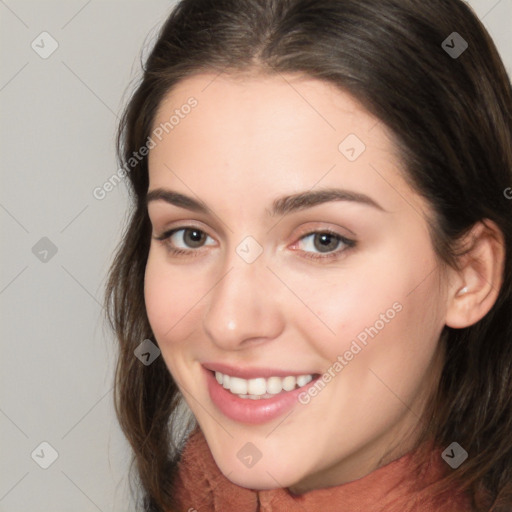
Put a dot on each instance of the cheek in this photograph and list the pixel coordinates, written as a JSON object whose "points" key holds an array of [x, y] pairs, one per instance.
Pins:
{"points": [[390, 303], [170, 296], [387, 322]]}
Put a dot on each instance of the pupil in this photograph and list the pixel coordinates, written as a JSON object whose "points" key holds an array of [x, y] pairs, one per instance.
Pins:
{"points": [[195, 236], [326, 239]]}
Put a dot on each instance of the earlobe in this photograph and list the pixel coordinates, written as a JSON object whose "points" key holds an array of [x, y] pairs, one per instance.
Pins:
{"points": [[479, 277]]}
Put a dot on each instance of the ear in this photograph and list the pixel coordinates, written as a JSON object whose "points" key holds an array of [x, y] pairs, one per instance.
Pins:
{"points": [[475, 285]]}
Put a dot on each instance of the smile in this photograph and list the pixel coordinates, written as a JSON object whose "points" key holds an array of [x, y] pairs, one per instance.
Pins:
{"points": [[255, 400]]}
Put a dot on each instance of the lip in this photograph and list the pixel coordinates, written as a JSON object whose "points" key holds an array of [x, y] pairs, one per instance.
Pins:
{"points": [[246, 410], [252, 373]]}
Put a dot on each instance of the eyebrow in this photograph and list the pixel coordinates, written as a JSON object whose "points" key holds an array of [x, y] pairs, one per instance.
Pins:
{"points": [[280, 206]]}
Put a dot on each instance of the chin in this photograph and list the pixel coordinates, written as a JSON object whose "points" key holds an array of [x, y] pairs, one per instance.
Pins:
{"points": [[257, 483], [259, 479]]}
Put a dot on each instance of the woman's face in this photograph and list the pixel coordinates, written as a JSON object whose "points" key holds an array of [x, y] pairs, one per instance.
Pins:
{"points": [[304, 253]]}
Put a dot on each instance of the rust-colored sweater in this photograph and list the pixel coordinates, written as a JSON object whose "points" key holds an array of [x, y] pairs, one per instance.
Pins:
{"points": [[201, 487]]}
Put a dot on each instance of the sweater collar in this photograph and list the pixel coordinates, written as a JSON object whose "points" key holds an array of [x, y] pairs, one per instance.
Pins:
{"points": [[201, 486]]}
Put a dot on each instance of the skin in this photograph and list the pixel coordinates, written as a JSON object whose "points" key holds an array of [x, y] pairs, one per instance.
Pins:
{"points": [[249, 141]]}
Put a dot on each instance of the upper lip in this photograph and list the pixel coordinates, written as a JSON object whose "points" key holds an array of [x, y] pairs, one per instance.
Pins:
{"points": [[253, 372]]}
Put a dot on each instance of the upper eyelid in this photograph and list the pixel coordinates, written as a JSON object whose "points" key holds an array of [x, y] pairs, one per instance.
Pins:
{"points": [[220, 226], [306, 231], [183, 227]]}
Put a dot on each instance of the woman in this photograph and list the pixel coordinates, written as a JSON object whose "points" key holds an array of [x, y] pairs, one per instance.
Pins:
{"points": [[316, 277]]}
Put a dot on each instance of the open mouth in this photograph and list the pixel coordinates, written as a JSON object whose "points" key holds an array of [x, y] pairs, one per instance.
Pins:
{"points": [[260, 387], [258, 399]]}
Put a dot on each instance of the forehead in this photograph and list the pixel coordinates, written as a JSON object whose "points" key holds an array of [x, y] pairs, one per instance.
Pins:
{"points": [[290, 116], [260, 135], [265, 96]]}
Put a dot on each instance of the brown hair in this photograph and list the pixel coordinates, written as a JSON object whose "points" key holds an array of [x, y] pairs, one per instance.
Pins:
{"points": [[452, 121]]}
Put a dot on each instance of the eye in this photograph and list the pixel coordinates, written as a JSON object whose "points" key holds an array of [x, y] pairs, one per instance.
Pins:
{"points": [[184, 240], [328, 244], [316, 245]]}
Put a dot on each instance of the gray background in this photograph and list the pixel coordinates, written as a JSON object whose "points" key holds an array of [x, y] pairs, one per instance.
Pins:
{"points": [[57, 123]]}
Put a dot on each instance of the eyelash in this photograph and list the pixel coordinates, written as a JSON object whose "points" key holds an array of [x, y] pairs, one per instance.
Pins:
{"points": [[349, 243]]}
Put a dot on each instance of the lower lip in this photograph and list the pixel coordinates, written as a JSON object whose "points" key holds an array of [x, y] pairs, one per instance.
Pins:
{"points": [[247, 410]]}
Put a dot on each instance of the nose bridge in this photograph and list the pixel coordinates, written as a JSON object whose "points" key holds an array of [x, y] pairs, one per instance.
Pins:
{"points": [[241, 306]]}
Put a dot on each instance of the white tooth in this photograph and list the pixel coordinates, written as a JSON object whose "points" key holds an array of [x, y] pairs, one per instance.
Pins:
{"points": [[289, 383], [257, 386], [302, 380], [219, 376], [238, 386], [274, 385], [225, 381]]}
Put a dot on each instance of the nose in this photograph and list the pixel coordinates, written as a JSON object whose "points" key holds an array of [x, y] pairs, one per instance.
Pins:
{"points": [[244, 306]]}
